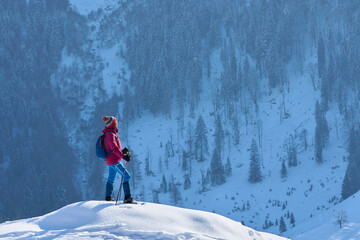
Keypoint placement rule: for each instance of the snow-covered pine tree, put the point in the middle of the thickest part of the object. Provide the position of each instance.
(321, 132)
(184, 162)
(321, 56)
(201, 143)
(292, 219)
(204, 181)
(282, 226)
(283, 170)
(175, 193)
(169, 149)
(163, 185)
(180, 97)
(155, 193)
(236, 131)
(292, 154)
(321, 119)
(328, 82)
(187, 182)
(217, 172)
(148, 171)
(266, 224)
(190, 143)
(255, 168)
(318, 147)
(219, 134)
(228, 168)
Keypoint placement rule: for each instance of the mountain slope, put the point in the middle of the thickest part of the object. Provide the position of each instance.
(308, 190)
(325, 225)
(283, 119)
(103, 220)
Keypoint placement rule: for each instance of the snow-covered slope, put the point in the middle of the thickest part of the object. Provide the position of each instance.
(325, 225)
(308, 190)
(103, 220)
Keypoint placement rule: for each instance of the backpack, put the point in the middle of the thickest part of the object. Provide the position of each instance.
(101, 148)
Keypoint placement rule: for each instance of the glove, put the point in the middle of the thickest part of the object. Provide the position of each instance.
(125, 150)
(127, 157)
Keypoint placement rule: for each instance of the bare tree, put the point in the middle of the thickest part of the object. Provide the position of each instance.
(341, 218)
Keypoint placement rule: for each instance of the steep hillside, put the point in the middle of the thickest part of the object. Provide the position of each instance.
(339, 222)
(282, 121)
(307, 190)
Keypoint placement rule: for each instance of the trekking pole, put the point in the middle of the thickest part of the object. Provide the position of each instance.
(122, 178)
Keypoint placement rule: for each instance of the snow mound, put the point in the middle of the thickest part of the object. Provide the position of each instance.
(104, 220)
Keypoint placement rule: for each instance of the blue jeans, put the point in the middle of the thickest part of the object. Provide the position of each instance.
(113, 169)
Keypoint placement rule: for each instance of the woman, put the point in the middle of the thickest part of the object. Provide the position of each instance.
(113, 158)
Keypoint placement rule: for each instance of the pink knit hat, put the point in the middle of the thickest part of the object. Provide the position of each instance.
(110, 121)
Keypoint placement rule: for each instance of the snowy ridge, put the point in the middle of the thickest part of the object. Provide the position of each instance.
(103, 220)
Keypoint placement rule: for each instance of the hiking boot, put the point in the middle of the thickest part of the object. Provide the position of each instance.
(109, 198)
(128, 199)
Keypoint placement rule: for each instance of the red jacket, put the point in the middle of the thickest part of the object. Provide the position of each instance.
(112, 144)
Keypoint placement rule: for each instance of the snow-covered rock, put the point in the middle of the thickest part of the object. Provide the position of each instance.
(104, 220)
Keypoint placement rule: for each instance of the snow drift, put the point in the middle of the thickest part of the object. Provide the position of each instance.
(103, 220)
